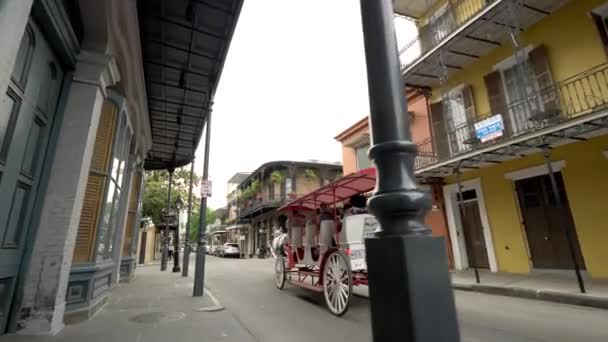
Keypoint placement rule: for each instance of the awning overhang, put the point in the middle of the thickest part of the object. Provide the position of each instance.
(184, 47)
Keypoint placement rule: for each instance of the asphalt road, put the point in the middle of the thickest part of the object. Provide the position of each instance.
(246, 288)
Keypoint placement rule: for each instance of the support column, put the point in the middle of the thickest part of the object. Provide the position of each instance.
(414, 301)
(49, 270)
(186, 262)
(165, 238)
(199, 275)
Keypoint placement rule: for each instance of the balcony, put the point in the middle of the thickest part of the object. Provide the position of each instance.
(259, 205)
(463, 32)
(568, 110)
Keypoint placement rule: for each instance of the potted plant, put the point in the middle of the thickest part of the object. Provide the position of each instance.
(311, 176)
(277, 177)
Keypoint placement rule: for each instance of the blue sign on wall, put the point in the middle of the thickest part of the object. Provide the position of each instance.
(490, 128)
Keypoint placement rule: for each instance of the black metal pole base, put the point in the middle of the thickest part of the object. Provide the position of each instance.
(199, 272)
(176, 267)
(186, 261)
(410, 291)
(163, 259)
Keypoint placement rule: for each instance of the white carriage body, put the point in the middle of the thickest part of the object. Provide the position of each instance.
(355, 229)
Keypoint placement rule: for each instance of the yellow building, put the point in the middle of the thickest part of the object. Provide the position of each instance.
(518, 89)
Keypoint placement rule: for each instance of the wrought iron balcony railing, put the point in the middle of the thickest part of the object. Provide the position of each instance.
(581, 94)
(439, 27)
(251, 205)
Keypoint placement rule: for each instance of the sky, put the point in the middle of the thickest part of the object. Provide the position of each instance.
(293, 79)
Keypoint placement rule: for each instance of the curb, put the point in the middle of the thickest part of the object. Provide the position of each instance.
(544, 295)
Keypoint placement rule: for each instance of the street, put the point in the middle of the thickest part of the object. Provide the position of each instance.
(246, 289)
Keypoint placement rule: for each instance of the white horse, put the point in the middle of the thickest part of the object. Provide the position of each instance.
(278, 245)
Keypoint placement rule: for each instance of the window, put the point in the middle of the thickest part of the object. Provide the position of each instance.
(363, 161)
(442, 23)
(457, 120)
(522, 77)
(109, 216)
(288, 185)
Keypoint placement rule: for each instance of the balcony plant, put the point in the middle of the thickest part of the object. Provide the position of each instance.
(311, 176)
(277, 177)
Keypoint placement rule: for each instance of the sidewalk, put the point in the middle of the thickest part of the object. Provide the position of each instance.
(562, 288)
(155, 306)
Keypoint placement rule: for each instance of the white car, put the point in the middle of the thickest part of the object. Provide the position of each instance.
(230, 249)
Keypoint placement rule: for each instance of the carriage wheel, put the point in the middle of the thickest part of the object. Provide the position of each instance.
(279, 272)
(337, 282)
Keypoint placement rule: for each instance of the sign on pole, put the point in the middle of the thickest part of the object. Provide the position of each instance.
(205, 188)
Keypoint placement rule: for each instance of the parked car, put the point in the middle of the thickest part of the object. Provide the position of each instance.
(207, 249)
(231, 249)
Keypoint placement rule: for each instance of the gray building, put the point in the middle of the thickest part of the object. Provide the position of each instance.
(94, 93)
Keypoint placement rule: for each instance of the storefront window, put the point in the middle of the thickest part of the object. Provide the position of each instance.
(109, 218)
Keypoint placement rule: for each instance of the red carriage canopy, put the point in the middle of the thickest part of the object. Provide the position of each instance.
(342, 189)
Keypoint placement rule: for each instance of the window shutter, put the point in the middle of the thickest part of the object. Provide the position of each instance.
(542, 73)
(440, 136)
(599, 23)
(89, 215)
(496, 96)
(469, 104)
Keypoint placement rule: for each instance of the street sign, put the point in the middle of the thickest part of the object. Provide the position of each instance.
(490, 128)
(205, 188)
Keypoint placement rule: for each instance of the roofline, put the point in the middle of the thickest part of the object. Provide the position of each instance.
(411, 93)
(231, 180)
(350, 130)
(287, 163)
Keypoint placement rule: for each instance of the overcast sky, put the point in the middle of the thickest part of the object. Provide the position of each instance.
(294, 78)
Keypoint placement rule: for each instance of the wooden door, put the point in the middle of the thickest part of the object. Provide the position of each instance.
(473, 234)
(27, 111)
(546, 224)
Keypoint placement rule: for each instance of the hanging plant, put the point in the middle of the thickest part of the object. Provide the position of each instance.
(247, 193)
(311, 175)
(255, 187)
(277, 177)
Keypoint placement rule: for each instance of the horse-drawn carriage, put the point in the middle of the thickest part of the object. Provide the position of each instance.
(325, 251)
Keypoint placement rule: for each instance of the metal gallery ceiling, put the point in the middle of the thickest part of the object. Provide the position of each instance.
(184, 47)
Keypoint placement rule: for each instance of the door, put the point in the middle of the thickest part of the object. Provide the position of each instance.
(27, 111)
(472, 229)
(546, 224)
(142, 248)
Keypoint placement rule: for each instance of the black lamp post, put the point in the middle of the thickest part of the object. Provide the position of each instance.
(178, 207)
(410, 292)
